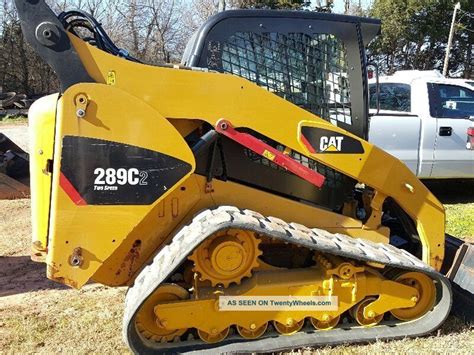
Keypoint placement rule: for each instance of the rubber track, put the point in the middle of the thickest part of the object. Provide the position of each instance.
(209, 222)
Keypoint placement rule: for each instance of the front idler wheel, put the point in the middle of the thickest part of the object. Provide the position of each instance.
(425, 299)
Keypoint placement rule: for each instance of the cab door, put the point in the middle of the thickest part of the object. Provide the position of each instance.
(453, 108)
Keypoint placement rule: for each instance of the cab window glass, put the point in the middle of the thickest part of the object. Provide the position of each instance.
(393, 97)
(450, 101)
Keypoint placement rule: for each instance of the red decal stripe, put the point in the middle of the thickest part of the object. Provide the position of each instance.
(225, 128)
(308, 144)
(71, 191)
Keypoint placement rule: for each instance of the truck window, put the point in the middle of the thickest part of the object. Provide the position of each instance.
(307, 70)
(393, 97)
(450, 101)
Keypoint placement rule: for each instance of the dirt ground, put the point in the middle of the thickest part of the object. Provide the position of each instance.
(40, 316)
(17, 131)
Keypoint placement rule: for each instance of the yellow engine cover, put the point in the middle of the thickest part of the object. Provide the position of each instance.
(114, 161)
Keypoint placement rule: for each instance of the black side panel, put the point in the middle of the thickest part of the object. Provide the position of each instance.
(110, 173)
(46, 35)
(243, 166)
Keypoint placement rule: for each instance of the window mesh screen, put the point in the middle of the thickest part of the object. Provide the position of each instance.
(309, 71)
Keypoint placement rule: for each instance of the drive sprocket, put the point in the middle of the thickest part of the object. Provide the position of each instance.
(227, 257)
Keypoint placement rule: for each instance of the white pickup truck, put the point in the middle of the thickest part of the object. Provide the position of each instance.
(426, 121)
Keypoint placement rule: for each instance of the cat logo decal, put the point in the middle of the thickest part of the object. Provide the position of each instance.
(325, 141)
(330, 144)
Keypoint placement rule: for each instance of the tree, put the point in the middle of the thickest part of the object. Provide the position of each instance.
(201, 10)
(415, 33)
(21, 70)
(152, 31)
(273, 4)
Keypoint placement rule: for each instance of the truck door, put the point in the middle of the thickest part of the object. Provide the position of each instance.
(452, 106)
(395, 128)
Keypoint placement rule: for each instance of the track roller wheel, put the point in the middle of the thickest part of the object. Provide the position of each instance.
(291, 326)
(148, 325)
(358, 313)
(330, 323)
(252, 333)
(213, 337)
(426, 295)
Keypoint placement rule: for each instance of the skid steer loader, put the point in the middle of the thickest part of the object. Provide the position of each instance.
(241, 176)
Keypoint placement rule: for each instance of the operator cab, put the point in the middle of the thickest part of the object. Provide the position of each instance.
(314, 60)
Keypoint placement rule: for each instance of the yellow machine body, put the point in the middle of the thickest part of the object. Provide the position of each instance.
(154, 107)
(149, 176)
(42, 152)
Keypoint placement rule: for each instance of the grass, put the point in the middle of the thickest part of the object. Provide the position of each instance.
(460, 220)
(457, 197)
(13, 120)
(15, 227)
(71, 321)
(39, 316)
(452, 337)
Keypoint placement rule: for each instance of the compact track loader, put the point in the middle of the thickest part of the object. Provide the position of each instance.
(242, 174)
